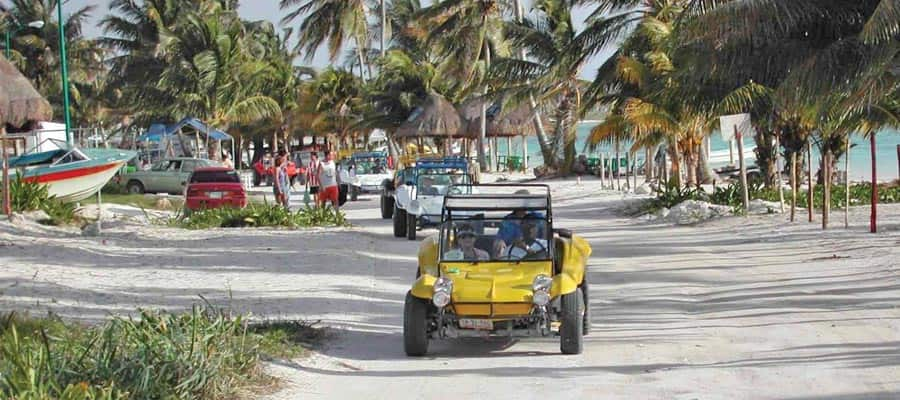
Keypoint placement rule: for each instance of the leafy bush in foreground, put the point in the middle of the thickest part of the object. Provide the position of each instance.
(203, 354)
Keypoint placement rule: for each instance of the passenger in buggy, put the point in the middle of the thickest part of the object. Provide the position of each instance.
(466, 250)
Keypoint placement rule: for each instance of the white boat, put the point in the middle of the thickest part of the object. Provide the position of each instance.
(71, 173)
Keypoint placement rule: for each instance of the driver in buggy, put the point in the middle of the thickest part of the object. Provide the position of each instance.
(529, 245)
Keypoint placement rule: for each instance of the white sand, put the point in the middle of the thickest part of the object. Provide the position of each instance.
(736, 308)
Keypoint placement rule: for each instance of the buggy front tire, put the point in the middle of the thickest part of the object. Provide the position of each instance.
(399, 221)
(411, 225)
(571, 329)
(387, 207)
(354, 193)
(415, 326)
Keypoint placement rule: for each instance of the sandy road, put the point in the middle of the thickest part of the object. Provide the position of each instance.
(733, 309)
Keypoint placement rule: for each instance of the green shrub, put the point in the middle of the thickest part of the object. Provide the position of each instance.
(27, 196)
(59, 213)
(671, 196)
(265, 215)
(203, 354)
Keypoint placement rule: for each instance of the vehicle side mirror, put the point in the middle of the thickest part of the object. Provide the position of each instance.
(564, 233)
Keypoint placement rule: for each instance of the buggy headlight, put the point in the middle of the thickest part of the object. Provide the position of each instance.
(540, 297)
(542, 283)
(443, 288)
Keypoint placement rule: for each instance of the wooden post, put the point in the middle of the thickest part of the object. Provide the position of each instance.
(602, 172)
(826, 181)
(847, 184)
(508, 152)
(7, 198)
(525, 153)
(731, 152)
(794, 185)
(99, 212)
(617, 167)
(873, 217)
(634, 172)
(812, 184)
(780, 181)
(746, 192)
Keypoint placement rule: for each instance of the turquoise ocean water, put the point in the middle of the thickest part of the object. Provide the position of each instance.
(860, 159)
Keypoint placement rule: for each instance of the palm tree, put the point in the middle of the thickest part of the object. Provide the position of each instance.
(134, 33)
(334, 21)
(551, 71)
(39, 49)
(467, 35)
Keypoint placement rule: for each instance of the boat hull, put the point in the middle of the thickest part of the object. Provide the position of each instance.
(74, 184)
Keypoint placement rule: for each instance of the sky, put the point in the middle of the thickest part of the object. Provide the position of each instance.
(269, 10)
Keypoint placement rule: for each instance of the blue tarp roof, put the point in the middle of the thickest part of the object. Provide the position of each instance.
(158, 131)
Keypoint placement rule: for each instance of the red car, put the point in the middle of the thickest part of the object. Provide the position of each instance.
(214, 187)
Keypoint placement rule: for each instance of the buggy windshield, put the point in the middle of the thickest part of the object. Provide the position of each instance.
(365, 166)
(520, 236)
(439, 184)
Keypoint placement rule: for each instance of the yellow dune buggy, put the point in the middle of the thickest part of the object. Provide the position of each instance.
(497, 267)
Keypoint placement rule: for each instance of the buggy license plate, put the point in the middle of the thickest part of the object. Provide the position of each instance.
(478, 324)
(215, 195)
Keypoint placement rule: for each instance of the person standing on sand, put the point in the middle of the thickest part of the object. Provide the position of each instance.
(312, 176)
(280, 186)
(328, 182)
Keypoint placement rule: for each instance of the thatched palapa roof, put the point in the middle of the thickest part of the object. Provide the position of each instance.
(500, 123)
(20, 103)
(435, 118)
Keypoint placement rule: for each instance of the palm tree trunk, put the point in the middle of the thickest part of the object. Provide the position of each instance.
(362, 61)
(873, 217)
(826, 176)
(812, 184)
(384, 29)
(675, 176)
(538, 124)
(793, 186)
(482, 133)
(648, 165)
(847, 185)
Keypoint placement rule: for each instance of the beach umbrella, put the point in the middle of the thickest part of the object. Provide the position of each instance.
(435, 118)
(20, 105)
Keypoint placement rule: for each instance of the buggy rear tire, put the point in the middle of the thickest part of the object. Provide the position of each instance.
(571, 329)
(354, 193)
(587, 307)
(415, 326)
(411, 225)
(387, 207)
(399, 222)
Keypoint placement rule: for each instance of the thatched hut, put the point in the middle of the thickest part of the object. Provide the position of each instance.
(514, 122)
(435, 118)
(20, 107)
(20, 103)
